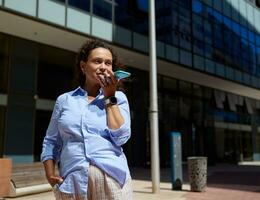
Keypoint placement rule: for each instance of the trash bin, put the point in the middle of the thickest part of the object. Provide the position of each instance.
(176, 160)
(197, 170)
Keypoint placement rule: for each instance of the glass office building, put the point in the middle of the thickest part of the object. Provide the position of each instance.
(208, 72)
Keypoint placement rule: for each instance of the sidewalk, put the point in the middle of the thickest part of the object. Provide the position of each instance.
(231, 182)
(228, 182)
(142, 191)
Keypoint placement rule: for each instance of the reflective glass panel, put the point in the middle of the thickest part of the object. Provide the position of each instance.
(197, 27)
(27, 7)
(103, 9)
(196, 6)
(52, 11)
(81, 4)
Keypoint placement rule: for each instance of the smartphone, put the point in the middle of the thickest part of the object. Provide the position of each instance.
(120, 74)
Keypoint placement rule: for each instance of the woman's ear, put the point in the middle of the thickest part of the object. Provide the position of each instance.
(82, 66)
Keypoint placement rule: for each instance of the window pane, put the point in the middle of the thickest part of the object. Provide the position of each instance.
(172, 53)
(229, 73)
(244, 32)
(81, 4)
(217, 4)
(242, 12)
(185, 58)
(236, 28)
(198, 47)
(209, 66)
(257, 22)
(227, 8)
(254, 81)
(208, 31)
(78, 20)
(141, 42)
(123, 36)
(258, 56)
(246, 79)
(250, 16)
(208, 51)
(197, 6)
(52, 11)
(197, 27)
(102, 8)
(61, 1)
(220, 70)
(185, 42)
(27, 7)
(198, 62)
(123, 17)
(238, 76)
(102, 28)
(208, 2)
(235, 9)
(172, 37)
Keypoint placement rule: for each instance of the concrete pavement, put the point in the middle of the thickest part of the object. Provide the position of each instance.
(142, 191)
(228, 182)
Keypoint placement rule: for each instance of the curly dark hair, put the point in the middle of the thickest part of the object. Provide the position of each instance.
(83, 56)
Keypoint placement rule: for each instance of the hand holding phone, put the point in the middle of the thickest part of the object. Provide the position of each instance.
(120, 74)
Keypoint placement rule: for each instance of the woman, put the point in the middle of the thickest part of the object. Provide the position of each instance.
(86, 131)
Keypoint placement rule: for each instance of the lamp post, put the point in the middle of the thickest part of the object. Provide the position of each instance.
(153, 112)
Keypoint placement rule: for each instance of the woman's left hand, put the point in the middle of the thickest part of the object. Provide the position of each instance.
(108, 82)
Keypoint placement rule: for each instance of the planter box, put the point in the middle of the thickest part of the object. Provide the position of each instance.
(5, 176)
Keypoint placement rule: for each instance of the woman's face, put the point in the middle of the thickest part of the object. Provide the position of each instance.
(98, 62)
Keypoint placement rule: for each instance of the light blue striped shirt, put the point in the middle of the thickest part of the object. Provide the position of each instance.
(78, 135)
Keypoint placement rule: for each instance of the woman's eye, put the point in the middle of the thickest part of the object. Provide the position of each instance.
(97, 61)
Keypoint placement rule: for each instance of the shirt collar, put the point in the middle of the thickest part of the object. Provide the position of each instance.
(82, 92)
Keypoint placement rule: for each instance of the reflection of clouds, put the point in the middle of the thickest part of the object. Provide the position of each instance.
(240, 23)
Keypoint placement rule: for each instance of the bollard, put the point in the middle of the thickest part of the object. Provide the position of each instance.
(197, 169)
(176, 160)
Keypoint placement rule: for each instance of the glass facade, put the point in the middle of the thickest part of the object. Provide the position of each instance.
(216, 37)
(220, 38)
(83, 5)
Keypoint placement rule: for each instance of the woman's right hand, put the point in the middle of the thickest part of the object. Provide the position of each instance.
(49, 166)
(54, 179)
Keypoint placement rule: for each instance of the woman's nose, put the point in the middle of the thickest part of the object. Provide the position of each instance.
(102, 67)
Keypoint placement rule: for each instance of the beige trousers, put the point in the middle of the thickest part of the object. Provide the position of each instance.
(100, 187)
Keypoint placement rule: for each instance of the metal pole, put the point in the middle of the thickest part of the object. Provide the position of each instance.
(153, 113)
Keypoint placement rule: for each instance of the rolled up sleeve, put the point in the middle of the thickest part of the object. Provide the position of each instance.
(52, 142)
(121, 135)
